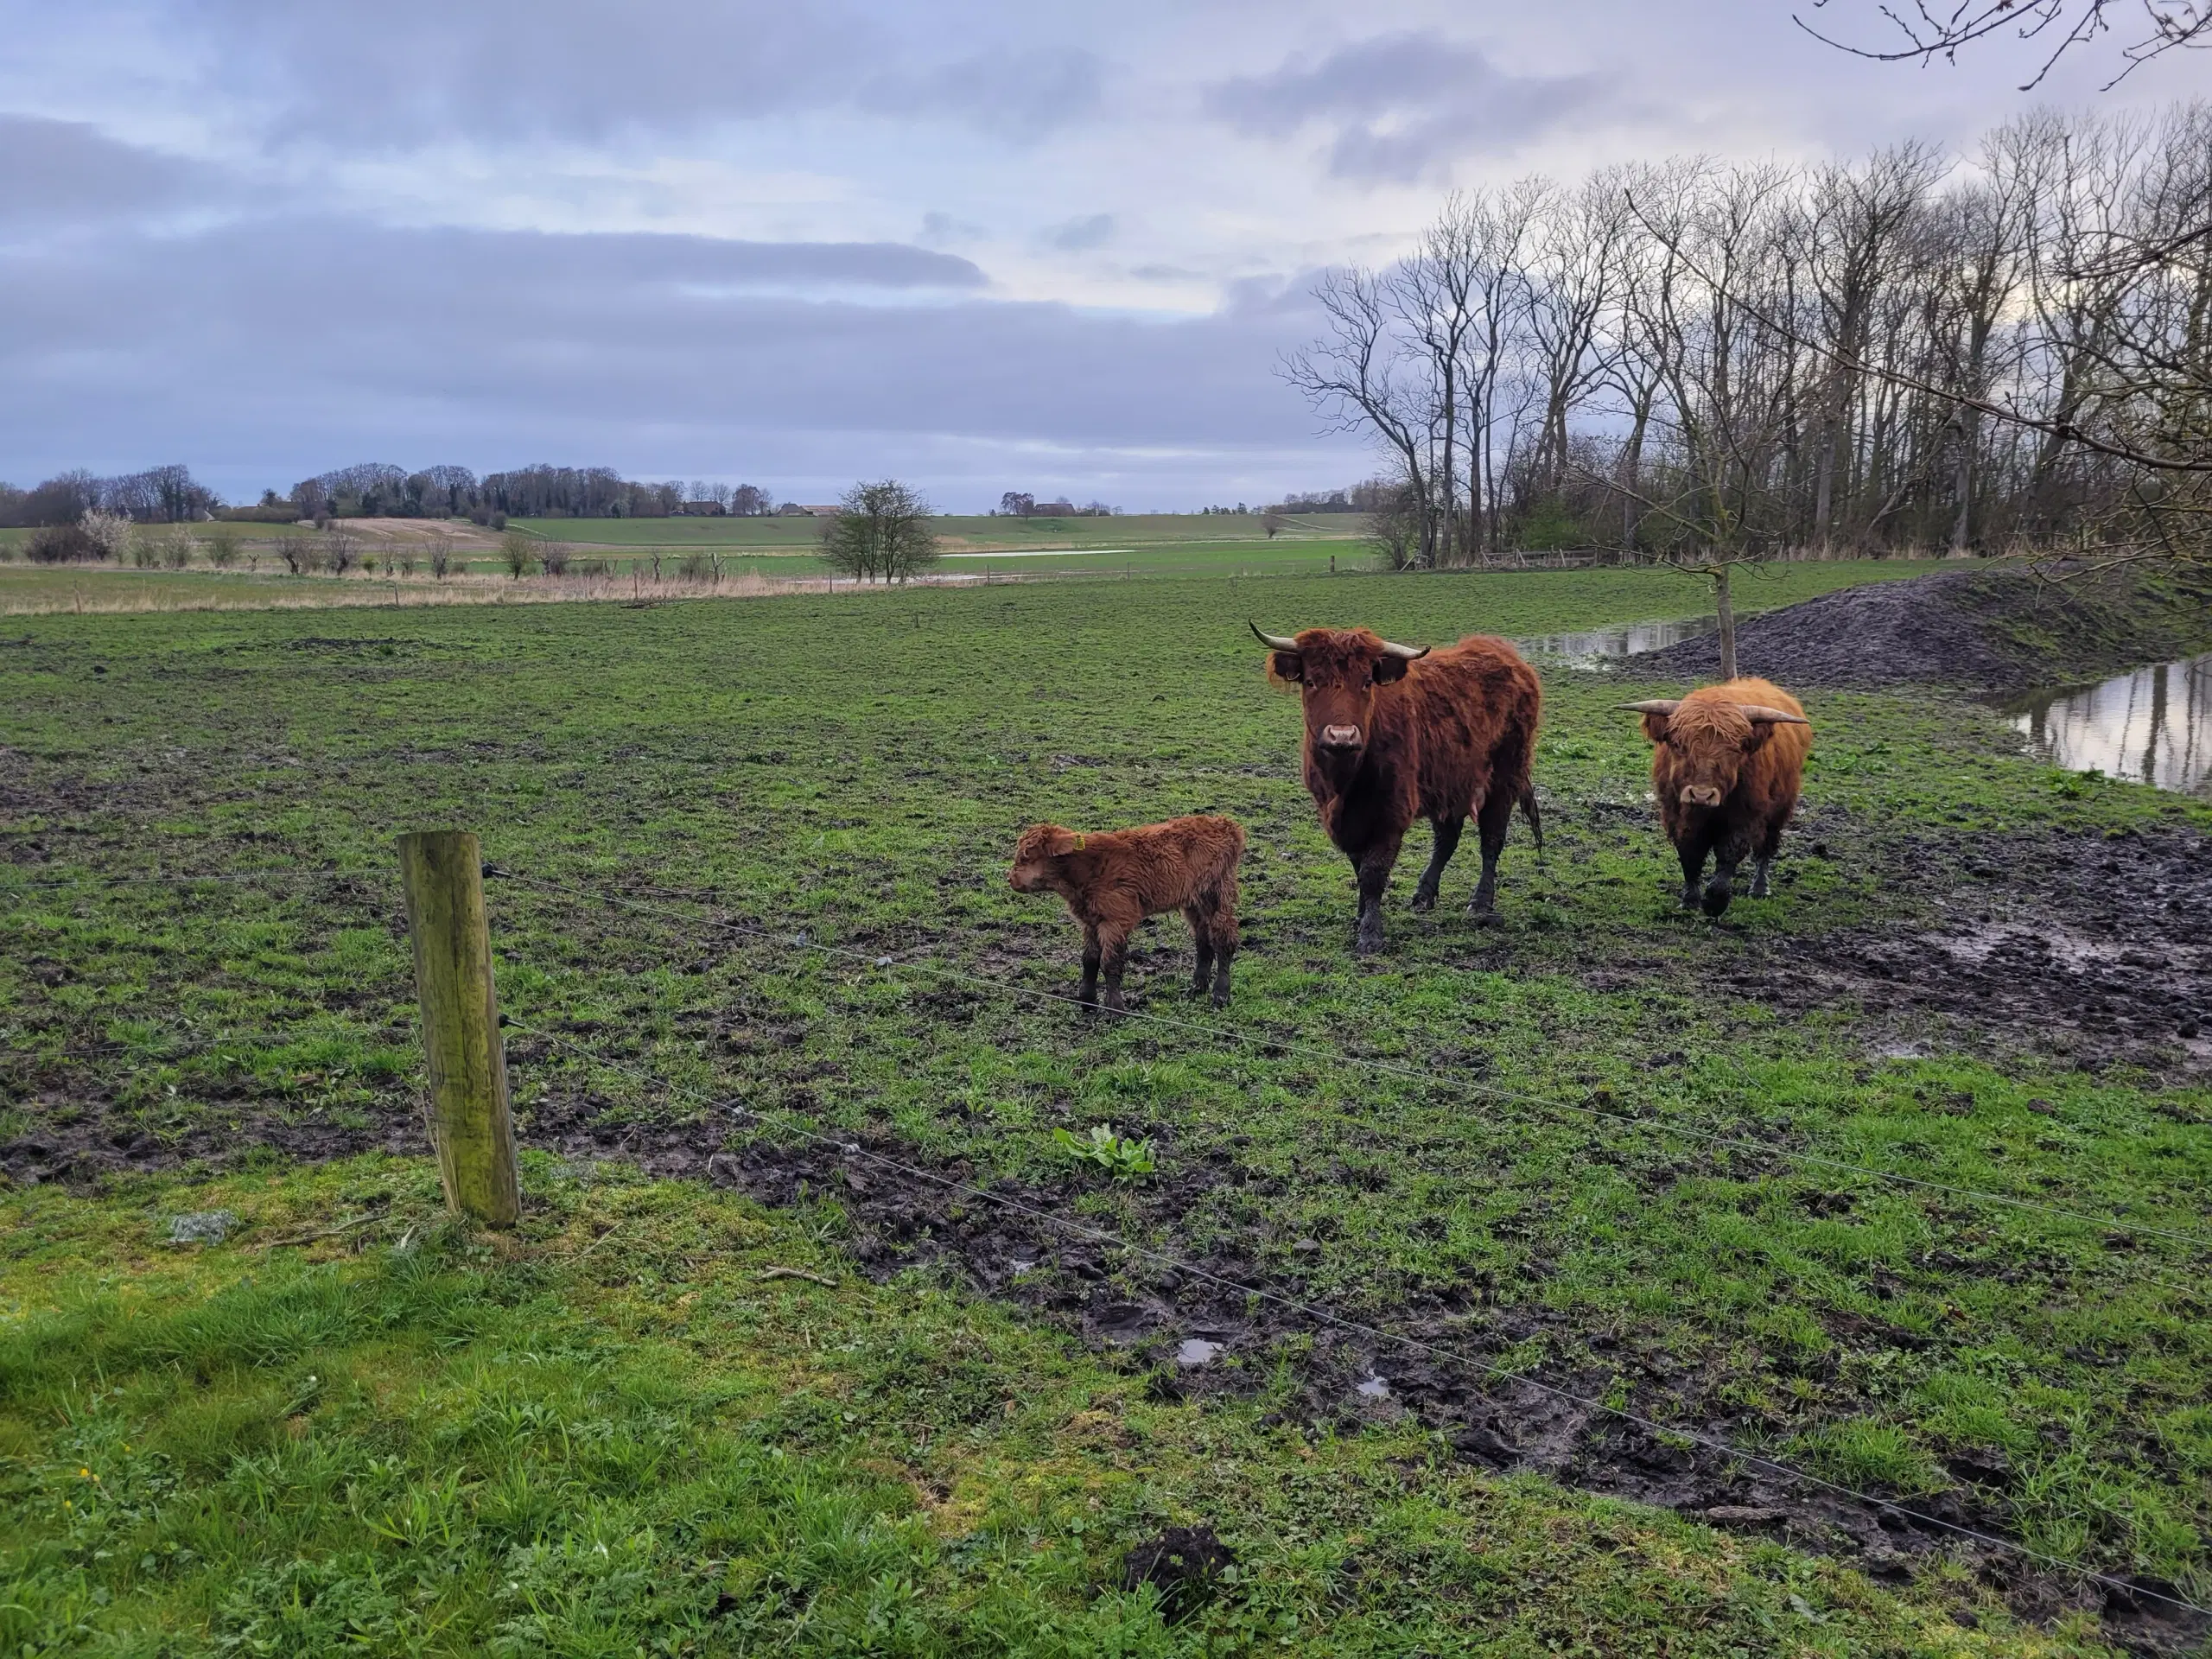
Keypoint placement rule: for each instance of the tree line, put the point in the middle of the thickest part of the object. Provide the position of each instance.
(170, 495)
(1693, 359)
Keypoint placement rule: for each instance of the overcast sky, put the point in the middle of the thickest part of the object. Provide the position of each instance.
(978, 244)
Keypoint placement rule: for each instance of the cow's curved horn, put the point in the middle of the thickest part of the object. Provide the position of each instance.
(1272, 641)
(1759, 714)
(1653, 706)
(1411, 653)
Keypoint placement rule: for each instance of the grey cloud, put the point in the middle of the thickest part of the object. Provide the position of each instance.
(937, 229)
(69, 172)
(260, 353)
(1401, 107)
(1019, 96)
(401, 71)
(1076, 235)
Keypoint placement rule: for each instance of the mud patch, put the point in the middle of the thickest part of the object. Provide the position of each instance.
(2091, 949)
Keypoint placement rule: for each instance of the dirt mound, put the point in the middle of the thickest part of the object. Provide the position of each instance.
(1992, 633)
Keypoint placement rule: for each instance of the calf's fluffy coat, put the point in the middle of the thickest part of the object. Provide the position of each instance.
(1113, 881)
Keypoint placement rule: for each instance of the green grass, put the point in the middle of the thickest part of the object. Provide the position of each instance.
(857, 766)
(610, 1434)
(1128, 530)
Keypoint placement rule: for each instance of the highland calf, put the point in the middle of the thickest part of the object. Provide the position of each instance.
(1394, 732)
(1112, 881)
(1727, 764)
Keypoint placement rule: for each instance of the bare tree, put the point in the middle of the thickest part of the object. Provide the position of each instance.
(882, 532)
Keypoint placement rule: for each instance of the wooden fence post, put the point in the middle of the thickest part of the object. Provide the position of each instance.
(471, 1125)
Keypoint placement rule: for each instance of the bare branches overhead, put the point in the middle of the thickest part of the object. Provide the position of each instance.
(2049, 29)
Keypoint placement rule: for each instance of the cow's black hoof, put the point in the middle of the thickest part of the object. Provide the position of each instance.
(1424, 900)
(1220, 999)
(1484, 917)
(1716, 900)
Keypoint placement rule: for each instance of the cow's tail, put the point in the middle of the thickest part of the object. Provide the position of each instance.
(1530, 811)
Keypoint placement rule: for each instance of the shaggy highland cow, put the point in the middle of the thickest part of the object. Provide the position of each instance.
(1112, 881)
(1394, 732)
(1726, 763)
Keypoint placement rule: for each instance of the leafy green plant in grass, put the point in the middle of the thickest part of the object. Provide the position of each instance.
(1103, 1149)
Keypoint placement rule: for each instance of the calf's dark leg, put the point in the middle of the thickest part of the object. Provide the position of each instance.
(1202, 936)
(1113, 951)
(1447, 843)
(1088, 996)
(1374, 866)
(1491, 819)
(1221, 924)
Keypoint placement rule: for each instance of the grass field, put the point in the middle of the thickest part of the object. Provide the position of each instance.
(959, 531)
(1494, 1140)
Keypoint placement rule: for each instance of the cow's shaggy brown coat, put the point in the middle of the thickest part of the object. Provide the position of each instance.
(1728, 781)
(1447, 736)
(1113, 881)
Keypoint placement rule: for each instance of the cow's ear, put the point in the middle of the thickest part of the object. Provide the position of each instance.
(1061, 842)
(1288, 665)
(1654, 728)
(1761, 730)
(1389, 668)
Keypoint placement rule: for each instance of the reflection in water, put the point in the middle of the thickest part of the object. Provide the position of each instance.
(1589, 649)
(2152, 726)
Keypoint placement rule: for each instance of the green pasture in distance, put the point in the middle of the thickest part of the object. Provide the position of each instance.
(779, 531)
(852, 770)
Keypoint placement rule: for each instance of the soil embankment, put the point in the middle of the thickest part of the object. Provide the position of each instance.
(1997, 632)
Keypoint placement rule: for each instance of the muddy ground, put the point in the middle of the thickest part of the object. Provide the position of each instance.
(2089, 950)
(2096, 950)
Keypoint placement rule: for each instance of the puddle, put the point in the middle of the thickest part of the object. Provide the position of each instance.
(1373, 1388)
(2152, 726)
(1596, 646)
(1194, 1351)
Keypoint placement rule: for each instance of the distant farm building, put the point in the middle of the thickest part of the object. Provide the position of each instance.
(1054, 509)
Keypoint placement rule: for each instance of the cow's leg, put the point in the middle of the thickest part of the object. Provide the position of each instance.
(1763, 859)
(1447, 843)
(1491, 819)
(1113, 953)
(1201, 937)
(1224, 927)
(1089, 994)
(1374, 865)
(1728, 854)
(1692, 849)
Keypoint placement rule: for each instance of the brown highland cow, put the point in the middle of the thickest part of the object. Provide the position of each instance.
(1394, 732)
(1727, 764)
(1112, 881)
